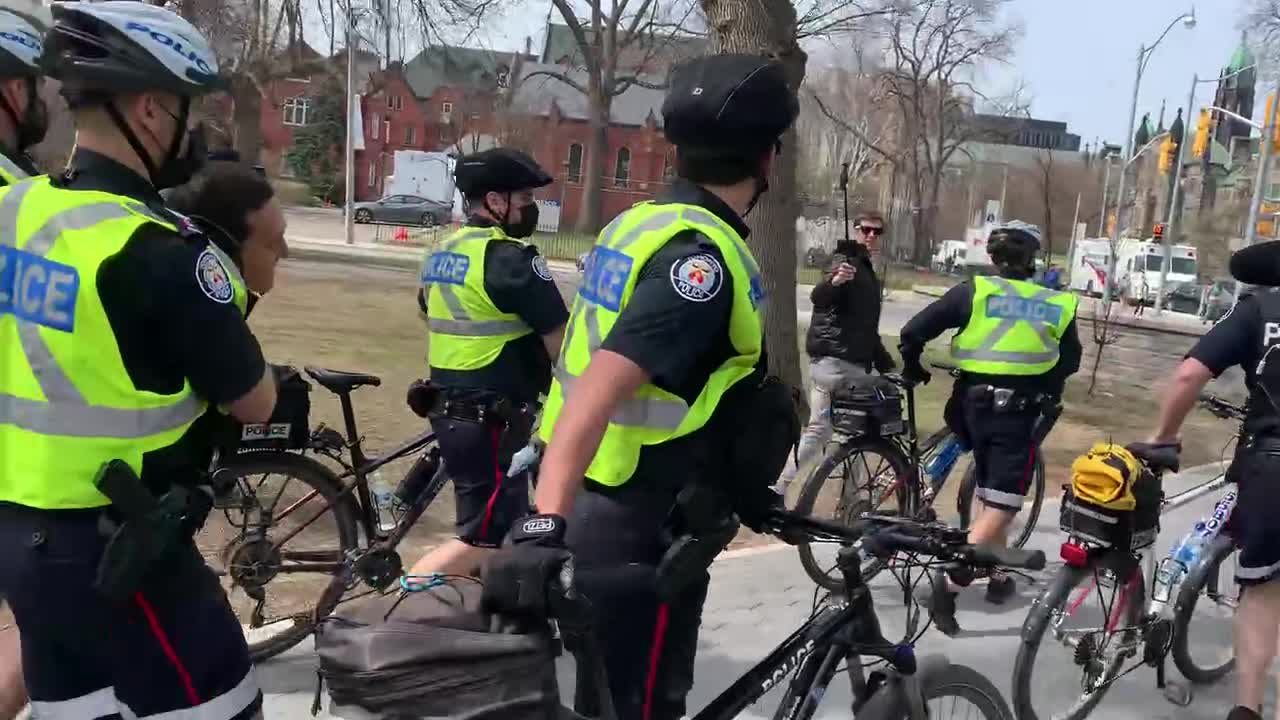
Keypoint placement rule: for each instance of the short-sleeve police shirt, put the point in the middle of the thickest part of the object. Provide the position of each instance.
(1234, 340)
(518, 281)
(678, 331)
(169, 327)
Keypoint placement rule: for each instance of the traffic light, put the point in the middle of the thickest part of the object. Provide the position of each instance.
(1168, 154)
(1204, 128)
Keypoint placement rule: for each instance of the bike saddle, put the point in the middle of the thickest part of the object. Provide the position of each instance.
(340, 381)
(1157, 456)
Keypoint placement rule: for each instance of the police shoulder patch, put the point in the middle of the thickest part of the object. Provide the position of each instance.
(697, 278)
(540, 268)
(213, 278)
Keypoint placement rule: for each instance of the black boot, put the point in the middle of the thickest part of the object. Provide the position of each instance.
(1000, 589)
(942, 606)
(1241, 712)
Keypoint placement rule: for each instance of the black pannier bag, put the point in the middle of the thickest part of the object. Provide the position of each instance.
(288, 428)
(432, 654)
(873, 406)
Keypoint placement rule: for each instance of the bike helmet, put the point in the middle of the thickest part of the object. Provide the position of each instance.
(499, 170)
(735, 102)
(1014, 244)
(124, 46)
(21, 41)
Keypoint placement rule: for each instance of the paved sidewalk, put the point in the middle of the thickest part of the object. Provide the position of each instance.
(758, 596)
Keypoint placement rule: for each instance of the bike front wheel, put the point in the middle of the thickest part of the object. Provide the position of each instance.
(1211, 589)
(278, 541)
(950, 692)
(1095, 615)
(1024, 524)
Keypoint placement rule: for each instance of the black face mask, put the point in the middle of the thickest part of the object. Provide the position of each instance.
(34, 123)
(178, 169)
(528, 222)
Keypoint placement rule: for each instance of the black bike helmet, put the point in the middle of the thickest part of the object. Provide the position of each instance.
(732, 102)
(1014, 244)
(500, 170)
(123, 46)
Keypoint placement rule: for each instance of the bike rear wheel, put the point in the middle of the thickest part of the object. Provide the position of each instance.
(1110, 611)
(285, 515)
(1024, 524)
(867, 474)
(1211, 588)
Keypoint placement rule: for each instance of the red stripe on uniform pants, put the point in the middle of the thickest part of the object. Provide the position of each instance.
(497, 486)
(655, 657)
(1026, 474)
(167, 648)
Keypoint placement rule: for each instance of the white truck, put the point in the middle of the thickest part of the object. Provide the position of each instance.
(1138, 268)
(1090, 263)
(949, 256)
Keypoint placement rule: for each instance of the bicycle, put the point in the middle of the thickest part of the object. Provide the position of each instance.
(910, 473)
(1126, 629)
(356, 548)
(840, 632)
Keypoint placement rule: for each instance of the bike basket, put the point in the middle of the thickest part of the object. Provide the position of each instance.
(433, 654)
(873, 406)
(289, 427)
(1134, 529)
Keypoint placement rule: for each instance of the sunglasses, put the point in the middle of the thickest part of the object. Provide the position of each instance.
(873, 231)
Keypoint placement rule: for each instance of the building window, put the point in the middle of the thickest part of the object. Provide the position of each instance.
(386, 131)
(446, 108)
(574, 171)
(622, 174)
(374, 125)
(395, 102)
(410, 133)
(373, 175)
(295, 110)
(668, 168)
(444, 133)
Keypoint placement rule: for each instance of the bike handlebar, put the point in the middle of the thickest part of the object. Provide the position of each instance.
(884, 535)
(1222, 408)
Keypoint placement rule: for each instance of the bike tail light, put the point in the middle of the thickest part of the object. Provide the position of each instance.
(1074, 555)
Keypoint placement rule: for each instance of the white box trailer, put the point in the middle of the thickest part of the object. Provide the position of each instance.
(1090, 263)
(1139, 265)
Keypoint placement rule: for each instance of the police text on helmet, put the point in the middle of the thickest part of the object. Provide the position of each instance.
(175, 44)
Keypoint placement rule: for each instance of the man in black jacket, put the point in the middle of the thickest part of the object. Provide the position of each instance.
(843, 342)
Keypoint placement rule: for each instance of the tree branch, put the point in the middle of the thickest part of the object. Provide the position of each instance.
(562, 77)
(851, 129)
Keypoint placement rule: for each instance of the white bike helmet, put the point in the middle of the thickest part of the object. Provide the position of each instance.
(21, 42)
(126, 46)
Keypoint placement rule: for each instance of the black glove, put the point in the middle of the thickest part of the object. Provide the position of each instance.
(518, 578)
(914, 373)
(884, 362)
(422, 397)
(755, 505)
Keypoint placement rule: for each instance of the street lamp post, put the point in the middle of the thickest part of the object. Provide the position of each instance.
(1144, 51)
(350, 152)
(1106, 183)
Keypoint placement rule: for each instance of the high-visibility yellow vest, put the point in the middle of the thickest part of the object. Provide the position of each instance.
(653, 415)
(10, 173)
(467, 330)
(1014, 328)
(67, 403)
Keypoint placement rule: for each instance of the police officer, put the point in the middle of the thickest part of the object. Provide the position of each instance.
(25, 117)
(1247, 337)
(496, 320)
(660, 389)
(1015, 349)
(121, 325)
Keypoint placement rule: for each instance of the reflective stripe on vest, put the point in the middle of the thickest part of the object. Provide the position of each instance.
(652, 415)
(67, 403)
(1014, 328)
(10, 173)
(467, 330)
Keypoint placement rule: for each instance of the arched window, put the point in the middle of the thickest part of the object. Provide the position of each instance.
(575, 163)
(622, 174)
(669, 166)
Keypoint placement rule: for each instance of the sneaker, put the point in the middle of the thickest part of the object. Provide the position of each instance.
(942, 606)
(999, 590)
(1241, 712)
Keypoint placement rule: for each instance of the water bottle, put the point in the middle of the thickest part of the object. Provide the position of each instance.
(1184, 556)
(943, 461)
(523, 460)
(418, 478)
(384, 500)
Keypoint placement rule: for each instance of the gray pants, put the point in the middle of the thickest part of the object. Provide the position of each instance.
(826, 374)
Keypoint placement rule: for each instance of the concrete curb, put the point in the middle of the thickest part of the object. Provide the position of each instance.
(1127, 321)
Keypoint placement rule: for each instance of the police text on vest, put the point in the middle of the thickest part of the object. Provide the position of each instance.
(38, 290)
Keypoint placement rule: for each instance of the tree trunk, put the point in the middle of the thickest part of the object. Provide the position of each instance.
(598, 107)
(248, 118)
(768, 27)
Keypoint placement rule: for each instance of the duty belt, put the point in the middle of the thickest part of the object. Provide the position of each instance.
(470, 407)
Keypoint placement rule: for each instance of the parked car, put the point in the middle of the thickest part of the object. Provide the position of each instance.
(1184, 298)
(404, 210)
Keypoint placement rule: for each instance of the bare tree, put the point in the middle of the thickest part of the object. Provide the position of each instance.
(934, 46)
(1262, 20)
(842, 120)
